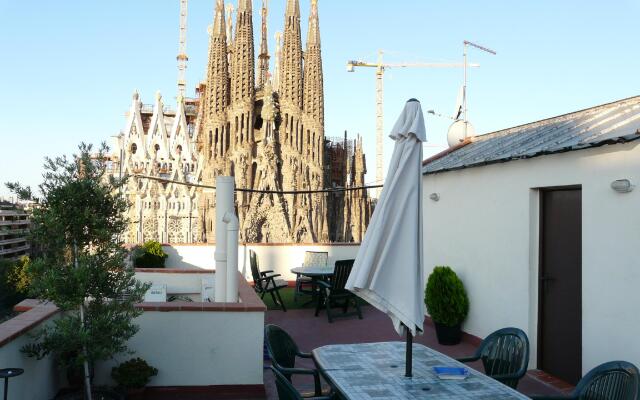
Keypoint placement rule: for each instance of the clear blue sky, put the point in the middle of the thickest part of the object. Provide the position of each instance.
(69, 67)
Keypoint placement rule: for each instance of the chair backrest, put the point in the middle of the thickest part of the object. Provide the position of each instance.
(340, 274)
(613, 380)
(286, 391)
(315, 259)
(282, 349)
(255, 269)
(505, 352)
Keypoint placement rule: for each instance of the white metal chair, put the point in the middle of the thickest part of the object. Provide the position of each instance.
(304, 284)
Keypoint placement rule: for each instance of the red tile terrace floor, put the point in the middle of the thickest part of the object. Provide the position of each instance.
(311, 332)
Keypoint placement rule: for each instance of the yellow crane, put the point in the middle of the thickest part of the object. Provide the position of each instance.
(380, 67)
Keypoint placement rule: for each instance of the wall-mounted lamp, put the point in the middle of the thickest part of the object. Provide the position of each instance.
(434, 196)
(622, 186)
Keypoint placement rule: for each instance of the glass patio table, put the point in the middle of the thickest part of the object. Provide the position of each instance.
(375, 371)
(315, 273)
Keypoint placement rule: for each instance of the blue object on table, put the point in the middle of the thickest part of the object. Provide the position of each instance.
(451, 372)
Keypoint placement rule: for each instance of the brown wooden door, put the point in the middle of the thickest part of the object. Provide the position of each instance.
(560, 284)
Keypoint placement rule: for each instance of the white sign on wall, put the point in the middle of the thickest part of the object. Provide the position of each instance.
(207, 289)
(156, 293)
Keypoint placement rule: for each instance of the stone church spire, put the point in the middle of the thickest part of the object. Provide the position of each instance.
(216, 102)
(242, 58)
(229, 24)
(313, 80)
(313, 118)
(216, 98)
(277, 62)
(291, 73)
(263, 58)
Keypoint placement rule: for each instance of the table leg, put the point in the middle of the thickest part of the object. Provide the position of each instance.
(6, 388)
(314, 294)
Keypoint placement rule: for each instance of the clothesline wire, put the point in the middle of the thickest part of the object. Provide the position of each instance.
(199, 185)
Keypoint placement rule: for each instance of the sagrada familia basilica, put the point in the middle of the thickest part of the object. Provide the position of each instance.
(265, 129)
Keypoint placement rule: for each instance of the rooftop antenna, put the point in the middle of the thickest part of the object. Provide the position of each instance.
(464, 88)
(182, 50)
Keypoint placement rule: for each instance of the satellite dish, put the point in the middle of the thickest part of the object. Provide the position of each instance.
(456, 134)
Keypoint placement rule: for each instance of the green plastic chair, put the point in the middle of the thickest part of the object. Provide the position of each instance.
(264, 281)
(283, 351)
(332, 292)
(286, 391)
(613, 380)
(504, 355)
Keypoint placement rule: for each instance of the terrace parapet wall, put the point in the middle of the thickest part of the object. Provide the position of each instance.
(40, 379)
(278, 257)
(249, 300)
(34, 312)
(218, 350)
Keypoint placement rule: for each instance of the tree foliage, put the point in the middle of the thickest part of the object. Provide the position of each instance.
(150, 255)
(18, 276)
(22, 192)
(155, 248)
(133, 374)
(445, 297)
(11, 289)
(78, 230)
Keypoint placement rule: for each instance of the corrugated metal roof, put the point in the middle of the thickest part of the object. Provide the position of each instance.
(611, 123)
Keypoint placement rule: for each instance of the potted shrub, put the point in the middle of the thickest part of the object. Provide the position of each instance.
(80, 266)
(150, 255)
(133, 375)
(447, 304)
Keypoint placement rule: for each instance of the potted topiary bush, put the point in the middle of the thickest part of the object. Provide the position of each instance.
(133, 375)
(447, 304)
(150, 255)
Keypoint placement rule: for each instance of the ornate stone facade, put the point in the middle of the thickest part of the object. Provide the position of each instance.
(158, 142)
(270, 138)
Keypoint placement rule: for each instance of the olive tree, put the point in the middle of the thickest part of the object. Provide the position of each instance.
(77, 229)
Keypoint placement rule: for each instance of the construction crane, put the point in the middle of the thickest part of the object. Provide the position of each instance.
(380, 67)
(182, 50)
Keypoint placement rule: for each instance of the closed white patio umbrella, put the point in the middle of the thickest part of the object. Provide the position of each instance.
(388, 271)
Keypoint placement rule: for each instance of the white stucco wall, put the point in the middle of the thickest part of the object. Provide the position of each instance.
(485, 227)
(186, 256)
(41, 378)
(280, 258)
(191, 348)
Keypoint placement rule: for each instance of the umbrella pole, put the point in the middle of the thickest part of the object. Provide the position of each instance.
(408, 368)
